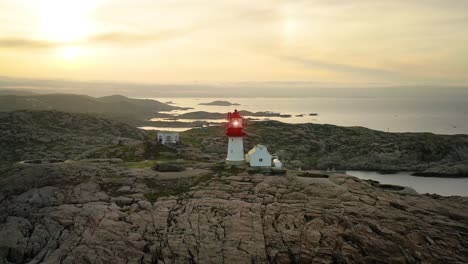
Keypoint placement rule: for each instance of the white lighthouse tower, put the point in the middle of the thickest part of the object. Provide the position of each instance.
(235, 133)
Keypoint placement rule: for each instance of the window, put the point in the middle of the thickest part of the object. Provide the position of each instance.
(260, 160)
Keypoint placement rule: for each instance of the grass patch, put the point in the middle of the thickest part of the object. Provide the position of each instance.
(223, 168)
(152, 197)
(152, 163)
(151, 183)
(126, 153)
(163, 191)
(202, 178)
(141, 164)
(172, 187)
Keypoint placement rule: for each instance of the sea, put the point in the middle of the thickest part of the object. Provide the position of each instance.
(445, 115)
(390, 114)
(437, 185)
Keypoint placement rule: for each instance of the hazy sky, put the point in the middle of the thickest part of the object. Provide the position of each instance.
(170, 41)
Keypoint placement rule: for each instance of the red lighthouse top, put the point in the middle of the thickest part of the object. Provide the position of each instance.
(235, 125)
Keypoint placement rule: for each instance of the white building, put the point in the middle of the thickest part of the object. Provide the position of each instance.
(277, 164)
(168, 137)
(258, 157)
(235, 154)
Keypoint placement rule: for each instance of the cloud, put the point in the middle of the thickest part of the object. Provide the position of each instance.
(343, 68)
(25, 43)
(115, 38)
(133, 38)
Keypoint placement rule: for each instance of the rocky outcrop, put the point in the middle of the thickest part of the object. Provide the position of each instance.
(98, 212)
(455, 169)
(28, 135)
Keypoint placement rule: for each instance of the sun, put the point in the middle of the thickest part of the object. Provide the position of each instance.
(65, 20)
(290, 28)
(290, 23)
(71, 52)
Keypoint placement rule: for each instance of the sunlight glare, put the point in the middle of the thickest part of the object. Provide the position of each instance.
(71, 53)
(289, 27)
(290, 23)
(66, 20)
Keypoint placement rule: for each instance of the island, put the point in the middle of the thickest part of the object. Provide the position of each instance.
(214, 115)
(219, 103)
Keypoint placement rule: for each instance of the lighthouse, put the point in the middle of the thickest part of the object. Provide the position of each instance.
(235, 133)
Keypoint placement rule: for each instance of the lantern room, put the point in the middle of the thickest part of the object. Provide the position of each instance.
(235, 125)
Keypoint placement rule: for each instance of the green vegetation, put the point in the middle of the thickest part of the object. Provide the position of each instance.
(169, 167)
(163, 188)
(154, 150)
(194, 137)
(166, 188)
(136, 155)
(52, 134)
(141, 164)
(202, 178)
(126, 153)
(153, 196)
(225, 169)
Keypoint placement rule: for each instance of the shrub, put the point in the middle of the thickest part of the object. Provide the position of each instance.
(168, 167)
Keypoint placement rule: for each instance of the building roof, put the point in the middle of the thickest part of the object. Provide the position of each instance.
(254, 149)
(168, 132)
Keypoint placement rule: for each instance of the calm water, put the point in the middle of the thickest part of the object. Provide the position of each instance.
(394, 114)
(441, 186)
(175, 129)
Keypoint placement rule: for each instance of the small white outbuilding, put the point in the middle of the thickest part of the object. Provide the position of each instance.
(277, 164)
(258, 156)
(168, 137)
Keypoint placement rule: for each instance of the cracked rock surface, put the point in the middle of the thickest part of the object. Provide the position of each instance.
(97, 212)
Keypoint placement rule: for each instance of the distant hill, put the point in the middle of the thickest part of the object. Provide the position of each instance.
(15, 92)
(115, 106)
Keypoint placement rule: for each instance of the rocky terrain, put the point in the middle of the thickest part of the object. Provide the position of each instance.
(98, 191)
(316, 146)
(104, 212)
(26, 135)
(48, 134)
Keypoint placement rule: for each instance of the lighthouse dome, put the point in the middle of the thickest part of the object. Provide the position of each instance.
(235, 125)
